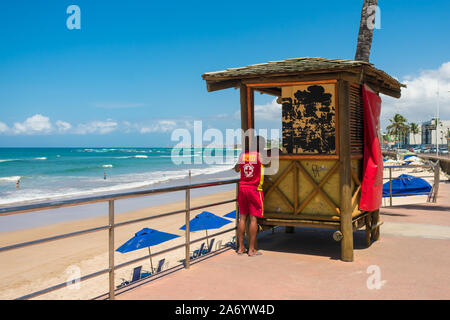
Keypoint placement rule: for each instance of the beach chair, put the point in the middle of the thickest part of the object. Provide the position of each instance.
(205, 251)
(136, 274)
(160, 265)
(123, 284)
(232, 243)
(145, 274)
(198, 252)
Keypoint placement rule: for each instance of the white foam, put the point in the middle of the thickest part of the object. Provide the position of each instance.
(146, 180)
(107, 166)
(7, 160)
(40, 158)
(143, 157)
(10, 179)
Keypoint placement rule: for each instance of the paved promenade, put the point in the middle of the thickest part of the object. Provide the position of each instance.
(412, 257)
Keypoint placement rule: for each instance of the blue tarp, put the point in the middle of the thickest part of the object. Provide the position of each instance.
(406, 187)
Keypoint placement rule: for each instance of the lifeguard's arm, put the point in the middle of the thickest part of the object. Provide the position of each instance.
(237, 166)
(265, 160)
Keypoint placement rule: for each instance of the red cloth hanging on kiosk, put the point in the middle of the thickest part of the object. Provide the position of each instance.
(372, 183)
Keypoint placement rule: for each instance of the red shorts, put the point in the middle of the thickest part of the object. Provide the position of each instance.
(251, 201)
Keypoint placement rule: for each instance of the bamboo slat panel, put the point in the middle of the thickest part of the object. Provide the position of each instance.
(303, 187)
(356, 120)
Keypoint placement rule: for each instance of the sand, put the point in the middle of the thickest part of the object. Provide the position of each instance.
(37, 267)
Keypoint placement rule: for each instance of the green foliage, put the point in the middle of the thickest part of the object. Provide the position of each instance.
(398, 126)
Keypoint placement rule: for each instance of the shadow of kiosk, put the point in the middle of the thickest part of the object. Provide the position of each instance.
(318, 183)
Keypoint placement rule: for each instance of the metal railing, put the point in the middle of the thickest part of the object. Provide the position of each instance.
(110, 198)
(432, 194)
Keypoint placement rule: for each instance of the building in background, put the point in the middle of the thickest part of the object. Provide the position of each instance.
(428, 132)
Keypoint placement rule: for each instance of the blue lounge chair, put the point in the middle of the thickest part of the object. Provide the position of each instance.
(136, 274)
(135, 277)
(198, 252)
(123, 284)
(205, 251)
(145, 274)
(160, 265)
(232, 243)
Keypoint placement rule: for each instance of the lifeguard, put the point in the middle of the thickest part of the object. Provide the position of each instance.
(250, 197)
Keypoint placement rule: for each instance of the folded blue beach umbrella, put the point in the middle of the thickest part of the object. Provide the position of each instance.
(145, 239)
(231, 214)
(204, 221)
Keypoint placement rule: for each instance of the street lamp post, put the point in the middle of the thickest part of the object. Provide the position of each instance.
(437, 122)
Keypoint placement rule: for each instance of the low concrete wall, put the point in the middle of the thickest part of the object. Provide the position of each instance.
(444, 162)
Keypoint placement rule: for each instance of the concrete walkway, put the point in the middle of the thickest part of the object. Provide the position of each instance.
(411, 261)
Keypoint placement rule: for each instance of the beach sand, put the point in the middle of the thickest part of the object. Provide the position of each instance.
(37, 267)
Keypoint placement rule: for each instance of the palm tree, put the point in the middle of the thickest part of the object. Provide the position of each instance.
(414, 129)
(365, 34)
(398, 126)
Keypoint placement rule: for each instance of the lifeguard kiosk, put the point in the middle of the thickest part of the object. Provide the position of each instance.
(320, 174)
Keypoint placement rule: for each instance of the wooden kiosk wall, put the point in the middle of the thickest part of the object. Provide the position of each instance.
(319, 190)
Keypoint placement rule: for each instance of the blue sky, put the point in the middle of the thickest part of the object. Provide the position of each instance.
(132, 73)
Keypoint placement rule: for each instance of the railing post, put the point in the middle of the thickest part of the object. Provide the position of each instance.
(390, 187)
(188, 235)
(436, 181)
(111, 249)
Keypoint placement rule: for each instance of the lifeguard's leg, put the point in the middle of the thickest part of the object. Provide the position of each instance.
(253, 230)
(241, 232)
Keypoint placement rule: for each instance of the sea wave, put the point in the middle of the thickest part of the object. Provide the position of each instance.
(25, 159)
(8, 160)
(107, 166)
(128, 157)
(10, 179)
(121, 183)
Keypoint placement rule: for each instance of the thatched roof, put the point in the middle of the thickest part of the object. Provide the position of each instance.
(303, 67)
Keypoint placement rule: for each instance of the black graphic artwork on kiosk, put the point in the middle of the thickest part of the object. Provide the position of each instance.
(309, 119)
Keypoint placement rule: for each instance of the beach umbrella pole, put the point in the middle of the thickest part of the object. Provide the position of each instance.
(207, 238)
(151, 262)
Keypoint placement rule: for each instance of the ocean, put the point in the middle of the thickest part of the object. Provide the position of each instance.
(46, 174)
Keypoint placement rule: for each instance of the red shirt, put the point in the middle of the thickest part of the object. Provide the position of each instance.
(252, 170)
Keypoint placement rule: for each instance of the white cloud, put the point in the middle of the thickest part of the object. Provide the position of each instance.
(419, 100)
(270, 111)
(99, 127)
(37, 124)
(159, 126)
(63, 126)
(3, 127)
